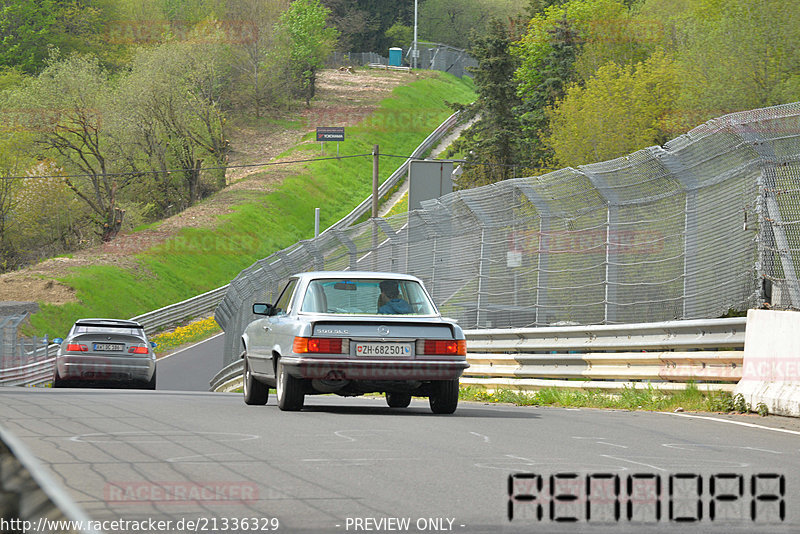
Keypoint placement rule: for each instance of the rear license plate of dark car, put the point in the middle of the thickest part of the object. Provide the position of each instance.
(108, 347)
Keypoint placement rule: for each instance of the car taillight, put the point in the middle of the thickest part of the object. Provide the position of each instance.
(446, 347)
(74, 347)
(320, 345)
(138, 350)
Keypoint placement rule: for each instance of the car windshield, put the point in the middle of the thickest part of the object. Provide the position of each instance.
(367, 297)
(89, 329)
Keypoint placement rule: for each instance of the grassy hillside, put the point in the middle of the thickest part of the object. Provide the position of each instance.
(198, 260)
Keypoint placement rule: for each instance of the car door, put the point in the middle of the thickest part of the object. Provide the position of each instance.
(261, 334)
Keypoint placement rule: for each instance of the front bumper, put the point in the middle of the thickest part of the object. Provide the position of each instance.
(372, 369)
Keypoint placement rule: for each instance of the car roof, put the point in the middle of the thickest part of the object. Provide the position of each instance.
(313, 275)
(108, 322)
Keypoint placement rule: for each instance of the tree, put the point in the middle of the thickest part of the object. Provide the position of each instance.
(363, 24)
(456, 22)
(495, 136)
(259, 77)
(309, 40)
(66, 104)
(556, 72)
(25, 27)
(168, 116)
(620, 110)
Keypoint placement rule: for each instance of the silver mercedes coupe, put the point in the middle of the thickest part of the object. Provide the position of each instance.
(352, 333)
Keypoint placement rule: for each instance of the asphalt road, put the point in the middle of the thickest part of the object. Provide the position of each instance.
(355, 465)
(191, 369)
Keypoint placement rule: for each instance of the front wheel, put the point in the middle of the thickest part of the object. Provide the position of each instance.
(444, 397)
(255, 393)
(289, 390)
(398, 400)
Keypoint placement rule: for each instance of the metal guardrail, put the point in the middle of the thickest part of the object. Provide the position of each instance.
(199, 306)
(665, 356)
(229, 378)
(37, 372)
(30, 497)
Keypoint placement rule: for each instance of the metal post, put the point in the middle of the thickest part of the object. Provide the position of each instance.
(478, 323)
(316, 222)
(415, 52)
(375, 156)
(608, 264)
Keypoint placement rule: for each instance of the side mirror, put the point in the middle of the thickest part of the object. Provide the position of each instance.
(58, 340)
(263, 309)
(153, 344)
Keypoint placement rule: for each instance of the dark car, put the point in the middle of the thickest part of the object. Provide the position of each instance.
(352, 333)
(105, 352)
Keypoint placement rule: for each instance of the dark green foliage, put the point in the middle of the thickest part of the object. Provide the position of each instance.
(495, 137)
(25, 32)
(556, 71)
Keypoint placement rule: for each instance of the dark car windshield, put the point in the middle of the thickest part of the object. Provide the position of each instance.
(367, 296)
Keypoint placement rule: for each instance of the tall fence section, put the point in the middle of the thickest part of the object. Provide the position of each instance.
(431, 57)
(708, 223)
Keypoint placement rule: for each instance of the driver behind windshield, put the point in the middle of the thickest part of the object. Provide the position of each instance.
(389, 301)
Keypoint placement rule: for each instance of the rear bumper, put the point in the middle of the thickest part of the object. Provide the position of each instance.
(363, 369)
(114, 369)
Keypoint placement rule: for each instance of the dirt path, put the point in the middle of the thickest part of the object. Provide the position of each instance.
(344, 98)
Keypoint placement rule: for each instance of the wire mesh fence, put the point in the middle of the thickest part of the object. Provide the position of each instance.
(431, 57)
(708, 223)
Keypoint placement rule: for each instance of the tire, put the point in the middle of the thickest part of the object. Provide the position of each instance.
(151, 384)
(444, 397)
(59, 382)
(289, 389)
(255, 393)
(398, 400)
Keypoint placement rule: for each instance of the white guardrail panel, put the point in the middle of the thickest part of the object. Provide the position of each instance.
(665, 356)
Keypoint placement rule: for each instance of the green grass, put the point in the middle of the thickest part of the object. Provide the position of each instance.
(198, 260)
(691, 399)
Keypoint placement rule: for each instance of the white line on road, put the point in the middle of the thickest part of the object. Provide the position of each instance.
(189, 347)
(751, 425)
(631, 461)
(485, 438)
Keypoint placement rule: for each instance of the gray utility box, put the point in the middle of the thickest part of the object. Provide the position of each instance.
(428, 179)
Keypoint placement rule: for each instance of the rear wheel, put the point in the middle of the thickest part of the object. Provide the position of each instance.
(151, 384)
(444, 397)
(289, 390)
(255, 393)
(59, 382)
(398, 400)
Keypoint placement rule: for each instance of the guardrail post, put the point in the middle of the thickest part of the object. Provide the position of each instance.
(691, 236)
(542, 255)
(612, 222)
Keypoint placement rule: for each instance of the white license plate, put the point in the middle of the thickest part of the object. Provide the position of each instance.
(383, 349)
(108, 347)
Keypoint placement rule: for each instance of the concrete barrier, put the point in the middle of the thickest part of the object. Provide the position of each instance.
(771, 373)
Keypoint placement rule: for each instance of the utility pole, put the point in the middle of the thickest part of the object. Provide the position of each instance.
(375, 155)
(415, 51)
